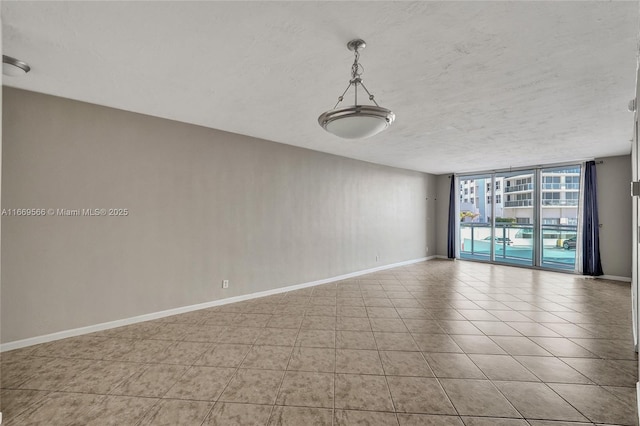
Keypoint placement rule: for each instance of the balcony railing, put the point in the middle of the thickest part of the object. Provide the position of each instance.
(545, 203)
(514, 243)
(570, 203)
(549, 186)
(519, 188)
(518, 203)
(567, 186)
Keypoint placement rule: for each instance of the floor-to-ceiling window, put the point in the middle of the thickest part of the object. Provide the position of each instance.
(515, 217)
(475, 217)
(560, 198)
(525, 217)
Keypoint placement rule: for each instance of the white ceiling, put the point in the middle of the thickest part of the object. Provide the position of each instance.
(474, 85)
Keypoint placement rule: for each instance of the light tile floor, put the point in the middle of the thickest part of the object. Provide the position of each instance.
(435, 343)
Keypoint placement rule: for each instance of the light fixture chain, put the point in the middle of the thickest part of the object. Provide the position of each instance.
(356, 69)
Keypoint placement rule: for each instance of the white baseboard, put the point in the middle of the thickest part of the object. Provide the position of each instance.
(612, 278)
(155, 315)
(638, 399)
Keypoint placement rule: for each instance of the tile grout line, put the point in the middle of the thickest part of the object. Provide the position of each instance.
(335, 360)
(393, 402)
(230, 378)
(286, 369)
(214, 344)
(434, 374)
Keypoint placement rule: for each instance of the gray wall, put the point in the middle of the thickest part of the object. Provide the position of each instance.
(614, 210)
(204, 205)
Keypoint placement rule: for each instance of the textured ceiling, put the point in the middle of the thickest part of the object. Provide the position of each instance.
(474, 85)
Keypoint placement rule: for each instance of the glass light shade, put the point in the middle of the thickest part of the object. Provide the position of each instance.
(357, 121)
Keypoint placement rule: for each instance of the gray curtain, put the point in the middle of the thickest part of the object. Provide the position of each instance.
(591, 264)
(451, 234)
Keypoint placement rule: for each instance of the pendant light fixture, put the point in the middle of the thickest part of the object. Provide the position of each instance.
(356, 121)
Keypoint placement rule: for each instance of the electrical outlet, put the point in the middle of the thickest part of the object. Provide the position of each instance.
(225, 283)
(376, 257)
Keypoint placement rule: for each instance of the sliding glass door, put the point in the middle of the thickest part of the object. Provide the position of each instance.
(476, 233)
(526, 217)
(515, 216)
(560, 188)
